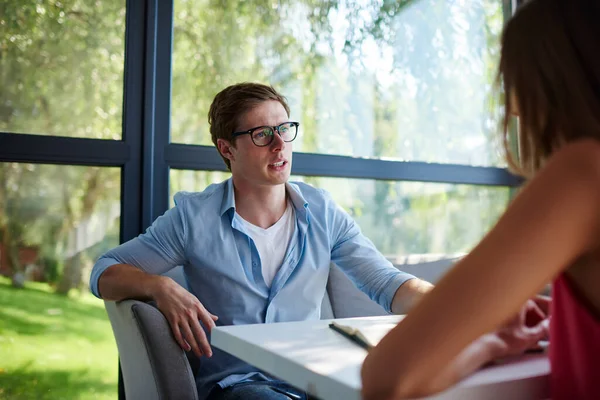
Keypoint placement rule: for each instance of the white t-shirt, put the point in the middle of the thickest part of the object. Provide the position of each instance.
(272, 243)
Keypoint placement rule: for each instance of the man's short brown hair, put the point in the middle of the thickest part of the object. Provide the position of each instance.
(233, 102)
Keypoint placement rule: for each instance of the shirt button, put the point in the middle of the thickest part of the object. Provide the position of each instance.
(254, 264)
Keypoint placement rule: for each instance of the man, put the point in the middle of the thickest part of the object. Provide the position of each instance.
(255, 248)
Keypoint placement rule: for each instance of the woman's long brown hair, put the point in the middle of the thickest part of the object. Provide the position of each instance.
(550, 70)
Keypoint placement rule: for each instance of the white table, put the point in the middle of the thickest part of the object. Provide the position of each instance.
(313, 357)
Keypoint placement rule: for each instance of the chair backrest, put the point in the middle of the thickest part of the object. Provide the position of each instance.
(326, 309)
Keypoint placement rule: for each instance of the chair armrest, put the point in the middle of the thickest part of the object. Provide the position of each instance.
(153, 364)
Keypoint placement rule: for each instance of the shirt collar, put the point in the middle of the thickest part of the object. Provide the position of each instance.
(296, 196)
(228, 197)
(298, 200)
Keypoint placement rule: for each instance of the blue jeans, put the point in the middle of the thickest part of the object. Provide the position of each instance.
(271, 390)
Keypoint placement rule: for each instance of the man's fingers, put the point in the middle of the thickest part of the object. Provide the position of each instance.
(201, 338)
(179, 338)
(189, 337)
(207, 318)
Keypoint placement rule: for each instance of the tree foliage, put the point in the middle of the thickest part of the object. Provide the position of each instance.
(374, 78)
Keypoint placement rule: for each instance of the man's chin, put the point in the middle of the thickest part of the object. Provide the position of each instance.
(279, 179)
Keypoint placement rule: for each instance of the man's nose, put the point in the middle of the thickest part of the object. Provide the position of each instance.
(277, 144)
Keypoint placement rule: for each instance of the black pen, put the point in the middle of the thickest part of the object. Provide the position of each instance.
(353, 334)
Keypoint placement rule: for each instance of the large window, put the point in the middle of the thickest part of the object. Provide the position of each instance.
(402, 80)
(103, 117)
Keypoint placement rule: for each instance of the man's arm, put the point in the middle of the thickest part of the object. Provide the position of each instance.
(124, 281)
(409, 294)
(132, 271)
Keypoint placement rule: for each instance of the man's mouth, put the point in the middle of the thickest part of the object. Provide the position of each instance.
(278, 164)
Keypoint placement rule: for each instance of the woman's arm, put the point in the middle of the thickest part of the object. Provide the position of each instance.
(521, 333)
(552, 222)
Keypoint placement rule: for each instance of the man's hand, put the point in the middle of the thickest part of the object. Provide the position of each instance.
(526, 329)
(184, 313)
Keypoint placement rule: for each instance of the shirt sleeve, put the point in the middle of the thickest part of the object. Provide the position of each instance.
(159, 249)
(360, 260)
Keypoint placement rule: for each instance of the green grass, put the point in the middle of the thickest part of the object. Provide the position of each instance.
(54, 347)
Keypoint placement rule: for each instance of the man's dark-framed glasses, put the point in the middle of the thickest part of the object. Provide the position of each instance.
(263, 135)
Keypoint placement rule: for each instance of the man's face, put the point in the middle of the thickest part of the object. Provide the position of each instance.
(260, 166)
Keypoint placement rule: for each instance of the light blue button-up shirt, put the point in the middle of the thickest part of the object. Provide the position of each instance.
(223, 267)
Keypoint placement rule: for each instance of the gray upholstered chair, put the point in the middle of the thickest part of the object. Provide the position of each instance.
(155, 367)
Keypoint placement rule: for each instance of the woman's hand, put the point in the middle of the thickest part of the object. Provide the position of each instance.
(526, 329)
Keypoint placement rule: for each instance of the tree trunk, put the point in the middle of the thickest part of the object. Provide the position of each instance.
(12, 256)
(17, 275)
(71, 275)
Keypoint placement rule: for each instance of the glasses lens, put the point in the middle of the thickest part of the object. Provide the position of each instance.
(288, 131)
(262, 136)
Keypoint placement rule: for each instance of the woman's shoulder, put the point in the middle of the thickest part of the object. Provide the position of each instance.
(575, 165)
(583, 152)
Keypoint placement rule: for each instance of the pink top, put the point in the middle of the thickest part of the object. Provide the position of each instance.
(575, 345)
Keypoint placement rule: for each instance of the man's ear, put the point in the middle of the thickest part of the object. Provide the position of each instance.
(226, 149)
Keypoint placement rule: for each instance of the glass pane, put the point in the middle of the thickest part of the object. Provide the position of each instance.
(408, 80)
(55, 338)
(61, 67)
(192, 181)
(421, 220)
(417, 219)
